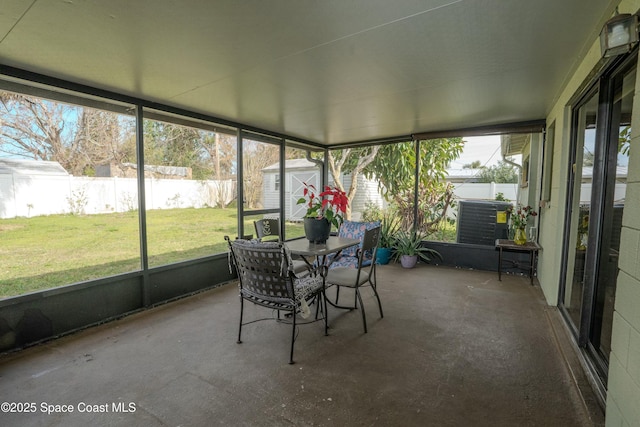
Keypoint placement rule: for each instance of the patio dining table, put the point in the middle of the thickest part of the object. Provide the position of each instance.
(320, 251)
(333, 245)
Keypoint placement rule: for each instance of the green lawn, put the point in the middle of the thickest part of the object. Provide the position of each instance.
(446, 233)
(50, 251)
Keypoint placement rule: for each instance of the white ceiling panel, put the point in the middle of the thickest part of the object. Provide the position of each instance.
(330, 71)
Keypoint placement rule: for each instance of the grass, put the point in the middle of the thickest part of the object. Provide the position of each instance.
(51, 251)
(446, 232)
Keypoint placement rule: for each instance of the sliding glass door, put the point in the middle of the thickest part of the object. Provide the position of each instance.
(597, 183)
(615, 156)
(584, 128)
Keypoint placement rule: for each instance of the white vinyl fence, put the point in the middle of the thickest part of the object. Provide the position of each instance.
(485, 191)
(33, 195)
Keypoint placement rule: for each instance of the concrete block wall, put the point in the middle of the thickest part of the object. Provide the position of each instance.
(623, 389)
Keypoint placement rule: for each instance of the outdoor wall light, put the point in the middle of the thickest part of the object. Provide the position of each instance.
(619, 34)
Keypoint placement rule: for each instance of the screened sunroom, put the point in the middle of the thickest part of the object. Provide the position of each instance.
(135, 136)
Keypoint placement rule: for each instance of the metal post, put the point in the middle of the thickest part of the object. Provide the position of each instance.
(281, 190)
(416, 186)
(239, 181)
(142, 213)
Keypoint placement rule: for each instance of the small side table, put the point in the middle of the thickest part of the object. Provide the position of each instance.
(509, 245)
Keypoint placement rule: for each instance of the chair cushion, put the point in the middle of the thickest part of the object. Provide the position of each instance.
(257, 243)
(299, 267)
(354, 230)
(344, 276)
(344, 262)
(306, 287)
(348, 262)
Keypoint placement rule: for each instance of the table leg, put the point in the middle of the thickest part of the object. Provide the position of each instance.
(326, 313)
(531, 259)
(320, 261)
(500, 264)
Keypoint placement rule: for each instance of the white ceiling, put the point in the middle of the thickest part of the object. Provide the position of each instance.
(328, 71)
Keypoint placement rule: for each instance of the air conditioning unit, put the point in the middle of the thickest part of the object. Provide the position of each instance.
(482, 222)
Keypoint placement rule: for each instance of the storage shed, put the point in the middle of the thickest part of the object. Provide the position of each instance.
(299, 171)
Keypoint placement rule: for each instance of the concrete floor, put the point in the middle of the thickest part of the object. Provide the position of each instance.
(455, 348)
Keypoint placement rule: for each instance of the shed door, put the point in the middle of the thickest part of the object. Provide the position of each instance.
(296, 212)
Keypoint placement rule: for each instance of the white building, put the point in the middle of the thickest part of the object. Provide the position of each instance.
(299, 171)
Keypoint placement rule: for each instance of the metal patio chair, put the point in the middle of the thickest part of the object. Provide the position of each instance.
(268, 229)
(266, 278)
(361, 276)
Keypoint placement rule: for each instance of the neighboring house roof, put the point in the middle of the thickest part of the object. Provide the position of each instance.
(462, 175)
(514, 144)
(31, 167)
(291, 164)
(621, 172)
(164, 170)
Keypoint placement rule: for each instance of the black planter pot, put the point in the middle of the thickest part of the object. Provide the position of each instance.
(317, 230)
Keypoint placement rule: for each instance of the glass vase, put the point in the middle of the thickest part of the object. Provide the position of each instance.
(520, 238)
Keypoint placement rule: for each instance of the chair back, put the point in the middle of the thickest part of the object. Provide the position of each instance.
(268, 227)
(355, 230)
(369, 245)
(263, 272)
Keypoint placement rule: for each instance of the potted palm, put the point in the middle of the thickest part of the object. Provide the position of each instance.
(323, 210)
(408, 248)
(389, 226)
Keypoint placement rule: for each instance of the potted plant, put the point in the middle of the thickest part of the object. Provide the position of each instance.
(408, 248)
(389, 226)
(519, 218)
(323, 209)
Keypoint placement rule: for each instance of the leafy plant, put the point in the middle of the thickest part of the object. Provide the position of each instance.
(174, 202)
(502, 172)
(394, 168)
(520, 216)
(500, 197)
(410, 243)
(78, 201)
(389, 227)
(352, 161)
(371, 212)
(330, 204)
(129, 201)
(624, 141)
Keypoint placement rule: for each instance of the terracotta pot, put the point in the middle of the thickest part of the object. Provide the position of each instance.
(317, 230)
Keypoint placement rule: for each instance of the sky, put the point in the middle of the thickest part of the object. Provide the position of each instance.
(483, 148)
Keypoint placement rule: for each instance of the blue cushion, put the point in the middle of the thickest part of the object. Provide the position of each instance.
(348, 262)
(355, 230)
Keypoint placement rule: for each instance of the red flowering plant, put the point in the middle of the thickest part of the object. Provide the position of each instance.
(520, 216)
(330, 203)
